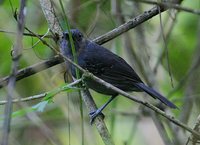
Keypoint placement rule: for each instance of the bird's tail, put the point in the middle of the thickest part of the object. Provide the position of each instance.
(155, 95)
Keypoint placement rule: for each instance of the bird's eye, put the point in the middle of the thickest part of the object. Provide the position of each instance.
(80, 35)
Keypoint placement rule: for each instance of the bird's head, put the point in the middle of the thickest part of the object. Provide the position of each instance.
(78, 41)
(77, 36)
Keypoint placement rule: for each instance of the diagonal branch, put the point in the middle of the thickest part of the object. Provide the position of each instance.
(169, 5)
(36, 68)
(150, 106)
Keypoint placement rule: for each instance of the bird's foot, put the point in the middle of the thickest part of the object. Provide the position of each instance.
(94, 114)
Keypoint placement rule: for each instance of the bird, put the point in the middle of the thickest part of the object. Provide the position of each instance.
(107, 66)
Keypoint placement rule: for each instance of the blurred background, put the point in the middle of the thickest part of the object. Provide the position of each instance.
(164, 51)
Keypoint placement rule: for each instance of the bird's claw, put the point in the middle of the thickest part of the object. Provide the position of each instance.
(94, 114)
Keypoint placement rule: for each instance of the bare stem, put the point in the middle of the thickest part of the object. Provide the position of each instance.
(11, 82)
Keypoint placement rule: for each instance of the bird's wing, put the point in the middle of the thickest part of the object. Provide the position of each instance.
(110, 67)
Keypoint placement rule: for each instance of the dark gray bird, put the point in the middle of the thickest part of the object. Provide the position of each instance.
(107, 66)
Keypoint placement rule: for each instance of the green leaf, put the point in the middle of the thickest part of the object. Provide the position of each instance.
(40, 106)
(22, 112)
(63, 88)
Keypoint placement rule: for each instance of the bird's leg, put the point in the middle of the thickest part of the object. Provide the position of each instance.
(95, 113)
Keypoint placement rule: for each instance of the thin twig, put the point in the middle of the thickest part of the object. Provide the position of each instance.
(25, 34)
(170, 5)
(39, 96)
(12, 80)
(94, 22)
(161, 55)
(30, 98)
(166, 50)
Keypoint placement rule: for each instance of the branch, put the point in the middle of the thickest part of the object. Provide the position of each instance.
(50, 16)
(12, 80)
(36, 68)
(100, 124)
(170, 5)
(30, 98)
(129, 25)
